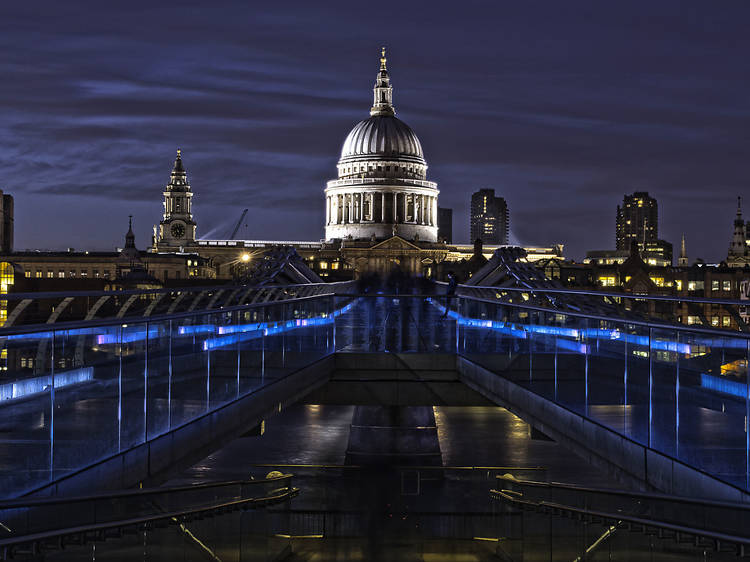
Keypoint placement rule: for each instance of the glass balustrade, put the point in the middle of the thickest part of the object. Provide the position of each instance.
(73, 396)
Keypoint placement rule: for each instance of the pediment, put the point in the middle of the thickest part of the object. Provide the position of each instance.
(395, 243)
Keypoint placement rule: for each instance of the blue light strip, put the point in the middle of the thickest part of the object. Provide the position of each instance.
(522, 331)
(244, 332)
(35, 385)
(127, 337)
(197, 329)
(724, 385)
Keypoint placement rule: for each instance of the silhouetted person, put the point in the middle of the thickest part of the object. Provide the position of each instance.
(396, 280)
(449, 292)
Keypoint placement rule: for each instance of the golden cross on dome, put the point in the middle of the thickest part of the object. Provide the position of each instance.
(178, 152)
(382, 58)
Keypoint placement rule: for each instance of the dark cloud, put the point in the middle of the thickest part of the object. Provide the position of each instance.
(562, 107)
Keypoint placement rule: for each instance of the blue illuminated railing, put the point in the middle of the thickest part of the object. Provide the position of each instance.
(680, 390)
(74, 395)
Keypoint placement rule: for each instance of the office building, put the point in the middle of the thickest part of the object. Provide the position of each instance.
(637, 220)
(489, 217)
(445, 225)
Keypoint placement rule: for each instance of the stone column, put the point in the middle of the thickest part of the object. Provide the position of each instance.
(328, 210)
(434, 211)
(406, 206)
(382, 207)
(395, 208)
(351, 208)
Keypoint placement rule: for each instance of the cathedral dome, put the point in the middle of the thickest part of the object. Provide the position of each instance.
(382, 137)
(382, 188)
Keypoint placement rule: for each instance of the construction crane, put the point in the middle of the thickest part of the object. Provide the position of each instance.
(239, 222)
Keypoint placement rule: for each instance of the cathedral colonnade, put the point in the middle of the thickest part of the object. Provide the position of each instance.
(378, 206)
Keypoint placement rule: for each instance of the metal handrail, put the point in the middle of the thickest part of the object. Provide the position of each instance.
(742, 543)
(625, 493)
(23, 502)
(548, 310)
(628, 321)
(8, 546)
(79, 324)
(33, 328)
(125, 292)
(632, 296)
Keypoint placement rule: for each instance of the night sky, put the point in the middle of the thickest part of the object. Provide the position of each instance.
(560, 106)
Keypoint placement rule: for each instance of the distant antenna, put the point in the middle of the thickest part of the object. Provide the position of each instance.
(239, 222)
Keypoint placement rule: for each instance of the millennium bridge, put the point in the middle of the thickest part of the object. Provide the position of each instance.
(105, 397)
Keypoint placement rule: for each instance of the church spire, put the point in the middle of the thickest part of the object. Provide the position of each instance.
(383, 91)
(130, 237)
(738, 245)
(179, 176)
(682, 261)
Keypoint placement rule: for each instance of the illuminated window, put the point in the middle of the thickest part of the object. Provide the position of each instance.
(96, 273)
(714, 320)
(607, 281)
(72, 273)
(335, 265)
(50, 273)
(323, 265)
(693, 320)
(726, 321)
(726, 285)
(678, 284)
(61, 273)
(715, 285)
(27, 274)
(84, 273)
(7, 279)
(658, 281)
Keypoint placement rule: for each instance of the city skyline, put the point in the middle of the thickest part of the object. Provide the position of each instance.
(94, 108)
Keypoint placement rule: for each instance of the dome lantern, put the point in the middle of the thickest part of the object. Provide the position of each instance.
(383, 91)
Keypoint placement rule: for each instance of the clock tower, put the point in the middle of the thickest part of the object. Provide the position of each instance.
(177, 227)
